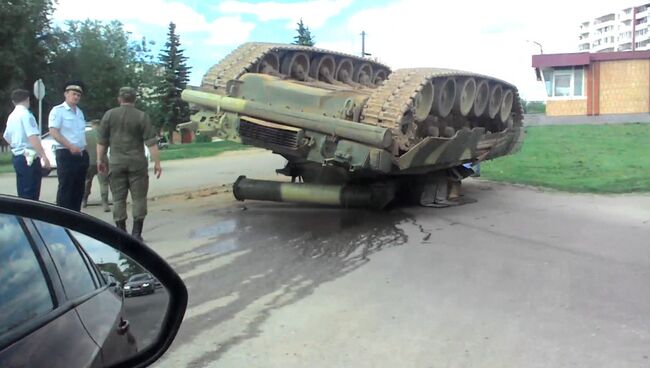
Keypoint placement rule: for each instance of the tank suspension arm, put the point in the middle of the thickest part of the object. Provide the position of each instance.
(363, 133)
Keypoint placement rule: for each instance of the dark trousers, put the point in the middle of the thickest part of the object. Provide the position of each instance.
(71, 170)
(28, 178)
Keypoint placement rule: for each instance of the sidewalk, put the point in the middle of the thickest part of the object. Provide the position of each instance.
(180, 176)
(541, 119)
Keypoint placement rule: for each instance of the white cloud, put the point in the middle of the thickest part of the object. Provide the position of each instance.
(488, 37)
(157, 13)
(229, 31)
(314, 13)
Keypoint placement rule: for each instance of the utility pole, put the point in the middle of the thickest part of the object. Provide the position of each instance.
(363, 44)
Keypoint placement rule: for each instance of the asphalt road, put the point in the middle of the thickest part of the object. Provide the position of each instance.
(145, 314)
(521, 278)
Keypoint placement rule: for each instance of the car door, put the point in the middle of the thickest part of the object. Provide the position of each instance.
(38, 326)
(98, 307)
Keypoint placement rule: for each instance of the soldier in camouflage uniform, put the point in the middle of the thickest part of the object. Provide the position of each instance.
(91, 142)
(127, 130)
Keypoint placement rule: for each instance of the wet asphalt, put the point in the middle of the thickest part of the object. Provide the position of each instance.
(522, 277)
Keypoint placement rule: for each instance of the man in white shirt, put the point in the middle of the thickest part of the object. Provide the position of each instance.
(23, 136)
(67, 126)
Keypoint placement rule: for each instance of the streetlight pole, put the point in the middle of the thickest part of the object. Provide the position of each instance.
(541, 51)
(363, 44)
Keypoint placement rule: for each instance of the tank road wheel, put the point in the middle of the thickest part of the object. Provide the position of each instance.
(423, 102)
(482, 98)
(465, 95)
(344, 71)
(496, 96)
(506, 106)
(323, 68)
(270, 64)
(380, 76)
(363, 74)
(296, 66)
(445, 95)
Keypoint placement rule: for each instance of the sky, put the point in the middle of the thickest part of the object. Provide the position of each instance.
(495, 38)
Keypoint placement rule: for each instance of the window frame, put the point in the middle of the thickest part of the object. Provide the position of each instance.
(566, 71)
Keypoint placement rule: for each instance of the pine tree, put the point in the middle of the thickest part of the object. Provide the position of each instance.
(175, 78)
(304, 36)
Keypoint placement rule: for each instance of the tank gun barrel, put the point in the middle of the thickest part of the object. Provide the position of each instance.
(364, 133)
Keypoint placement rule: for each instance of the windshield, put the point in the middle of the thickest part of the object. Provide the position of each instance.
(140, 277)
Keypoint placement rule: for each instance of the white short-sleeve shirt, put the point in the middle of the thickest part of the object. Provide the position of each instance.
(21, 124)
(71, 125)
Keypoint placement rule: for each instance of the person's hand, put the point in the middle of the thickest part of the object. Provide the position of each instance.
(157, 170)
(75, 150)
(102, 168)
(45, 163)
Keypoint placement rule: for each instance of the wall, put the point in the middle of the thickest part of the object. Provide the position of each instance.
(566, 107)
(624, 86)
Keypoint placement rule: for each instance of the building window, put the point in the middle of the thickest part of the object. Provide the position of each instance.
(564, 82)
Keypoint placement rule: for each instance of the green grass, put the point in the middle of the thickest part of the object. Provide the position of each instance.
(580, 158)
(181, 151)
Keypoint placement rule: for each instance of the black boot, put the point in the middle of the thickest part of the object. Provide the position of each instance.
(137, 229)
(121, 224)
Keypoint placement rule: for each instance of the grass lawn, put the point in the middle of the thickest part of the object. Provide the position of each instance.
(181, 151)
(579, 158)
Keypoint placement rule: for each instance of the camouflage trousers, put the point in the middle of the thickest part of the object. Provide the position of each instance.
(103, 182)
(125, 178)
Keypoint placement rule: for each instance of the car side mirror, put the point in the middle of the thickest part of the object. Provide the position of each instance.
(67, 274)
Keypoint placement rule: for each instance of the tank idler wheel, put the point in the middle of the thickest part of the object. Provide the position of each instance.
(323, 68)
(296, 66)
(465, 96)
(344, 71)
(482, 98)
(423, 101)
(270, 64)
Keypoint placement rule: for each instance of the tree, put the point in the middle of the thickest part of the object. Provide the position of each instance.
(304, 36)
(24, 31)
(100, 55)
(175, 78)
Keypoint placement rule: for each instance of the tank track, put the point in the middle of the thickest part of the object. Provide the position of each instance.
(247, 58)
(395, 104)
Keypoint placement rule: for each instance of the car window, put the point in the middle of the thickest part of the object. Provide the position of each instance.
(24, 293)
(72, 268)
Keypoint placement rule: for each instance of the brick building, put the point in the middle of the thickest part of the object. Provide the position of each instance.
(595, 83)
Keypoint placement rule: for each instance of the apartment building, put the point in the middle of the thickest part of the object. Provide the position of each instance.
(621, 30)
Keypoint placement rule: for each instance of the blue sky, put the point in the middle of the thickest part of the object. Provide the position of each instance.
(488, 37)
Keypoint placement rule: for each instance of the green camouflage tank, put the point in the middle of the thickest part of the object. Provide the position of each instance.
(354, 132)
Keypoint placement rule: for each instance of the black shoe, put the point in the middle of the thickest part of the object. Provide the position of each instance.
(121, 224)
(137, 229)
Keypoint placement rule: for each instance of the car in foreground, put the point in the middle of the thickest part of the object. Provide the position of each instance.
(58, 309)
(139, 284)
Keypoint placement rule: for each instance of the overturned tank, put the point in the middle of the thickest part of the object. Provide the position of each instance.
(354, 132)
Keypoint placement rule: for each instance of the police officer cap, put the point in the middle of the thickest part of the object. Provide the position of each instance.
(127, 93)
(76, 86)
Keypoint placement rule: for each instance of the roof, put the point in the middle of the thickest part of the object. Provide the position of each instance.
(585, 58)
